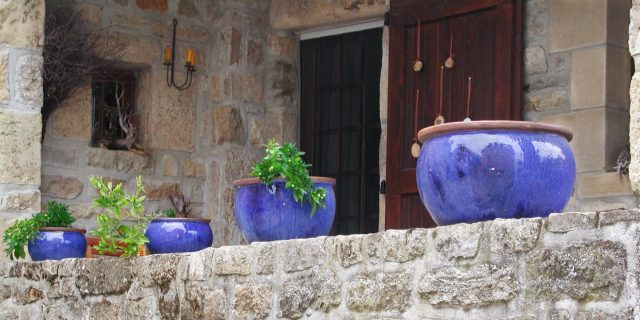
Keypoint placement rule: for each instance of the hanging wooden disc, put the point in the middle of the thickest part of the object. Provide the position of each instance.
(439, 120)
(417, 65)
(450, 63)
(415, 149)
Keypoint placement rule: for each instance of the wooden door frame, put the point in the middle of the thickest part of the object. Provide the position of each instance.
(408, 12)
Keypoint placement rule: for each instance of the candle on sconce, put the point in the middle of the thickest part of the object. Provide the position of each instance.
(191, 59)
(167, 55)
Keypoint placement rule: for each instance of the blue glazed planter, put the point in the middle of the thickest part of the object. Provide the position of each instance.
(58, 244)
(483, 170)
(171, 235)
(268, 213)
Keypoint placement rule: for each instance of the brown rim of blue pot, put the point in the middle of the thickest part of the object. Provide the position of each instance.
(60, 229)
(432, 131)
(250, 181)
(181, 219)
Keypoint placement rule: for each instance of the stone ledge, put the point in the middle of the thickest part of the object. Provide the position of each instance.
(516, 264)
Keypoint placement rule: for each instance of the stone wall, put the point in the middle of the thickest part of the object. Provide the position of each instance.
(21, 40)
(577, 74)
(569, 266)
(244, 92)
(634, 126)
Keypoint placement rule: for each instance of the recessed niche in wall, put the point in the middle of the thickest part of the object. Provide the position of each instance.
(114, 122)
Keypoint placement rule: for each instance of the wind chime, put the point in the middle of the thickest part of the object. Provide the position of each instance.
(450, 64)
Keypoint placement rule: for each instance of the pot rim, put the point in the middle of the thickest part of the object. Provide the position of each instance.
(250, 181)
(60, 229)
(180, 219)
(432, 131)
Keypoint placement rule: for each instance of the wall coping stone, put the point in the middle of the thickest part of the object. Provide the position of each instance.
(494, 269)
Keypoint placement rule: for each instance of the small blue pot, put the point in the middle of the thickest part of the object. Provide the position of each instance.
(58, 244)
(268, 213)
(483, 170)
(171, 235)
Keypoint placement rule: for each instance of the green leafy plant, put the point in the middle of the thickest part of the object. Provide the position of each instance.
(23, 231)
(286, 161)
(169, 213)
(116, 236)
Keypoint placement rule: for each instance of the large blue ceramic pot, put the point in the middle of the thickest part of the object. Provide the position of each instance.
(268, 213)
(58, 244)
(171, 235)
(483, 170)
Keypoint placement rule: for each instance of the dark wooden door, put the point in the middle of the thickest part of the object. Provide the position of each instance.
(484, 38)
(340, 130)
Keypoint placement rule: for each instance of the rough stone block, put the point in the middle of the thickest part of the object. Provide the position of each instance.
(203, 303)
(623, 314)
(238, 164)
(379, 291)
(121, 161)
(606, 184)
(20, 147)
(138, 50)
(158, 269)
(21, 201)
(22, 24)
(589, 136)
(345, 250)
(282, 84)
(72, 118)
(188, 8)
(172, 115)
(184, 31)
(89, 13)
(128, 20)
(252, 300)
(157, 5)
(169, 166)
(283, 127)
(302, 254)
(546, 99)
(567, 16)
(193, 168)
(255, 52)
(476, 286)
(244, 87)
(28, 83)
(403, 245)
(585, 271)
(232, 260)
(514, 236)
(284, 46)
(94, 277)
(458, 241)
(615, 216)
(256, 133)
(301, 14)
(227, 125)
(569, 221)
(61, 187)
(59, 156)
(4, 77)
(588, 77)
(29, 295)
(319, 290)
(535, 60)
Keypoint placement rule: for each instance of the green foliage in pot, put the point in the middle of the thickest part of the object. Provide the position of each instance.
(116, 236)
(17, 236)
(285, 161)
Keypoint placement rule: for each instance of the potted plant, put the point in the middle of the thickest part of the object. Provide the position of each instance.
(48, 236)
(122, 225)
(282, 201)
(174, 231)
(482, 170)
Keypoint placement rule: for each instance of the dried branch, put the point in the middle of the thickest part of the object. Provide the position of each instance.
(73, 53)
(180, 204)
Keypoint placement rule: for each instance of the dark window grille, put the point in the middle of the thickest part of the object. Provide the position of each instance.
(106, 89)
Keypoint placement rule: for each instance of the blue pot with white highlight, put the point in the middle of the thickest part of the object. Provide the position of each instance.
(57, 244)
(173, 235)
(269, 212)
(483, 170)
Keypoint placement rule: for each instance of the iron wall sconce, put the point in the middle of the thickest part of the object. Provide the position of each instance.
(169, 61)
